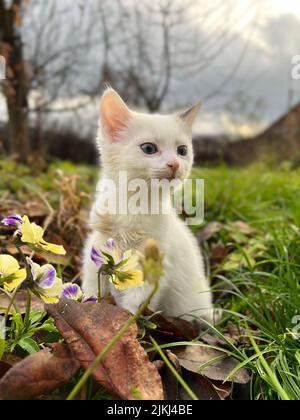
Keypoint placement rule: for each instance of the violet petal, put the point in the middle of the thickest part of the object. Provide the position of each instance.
(12, 220)
(70, 291)
(48, 278)
(89, 299)
(109, 244)
(32, 268)
(97, 257)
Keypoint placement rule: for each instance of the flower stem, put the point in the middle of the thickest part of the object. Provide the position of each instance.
(11, 303)
(111, 344)
(99, 285)
(28, 308)
(28, 271)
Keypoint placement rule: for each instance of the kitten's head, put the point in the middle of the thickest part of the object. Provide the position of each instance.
(146, 146)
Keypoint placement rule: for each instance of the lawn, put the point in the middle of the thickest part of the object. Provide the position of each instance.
(251, 243)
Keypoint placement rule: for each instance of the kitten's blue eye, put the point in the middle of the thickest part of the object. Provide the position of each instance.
(149, 148)
(182, 150)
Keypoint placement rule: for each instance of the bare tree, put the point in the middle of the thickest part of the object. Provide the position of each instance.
(166, 42)
(51, 53)
(15, 86)
(147, 50)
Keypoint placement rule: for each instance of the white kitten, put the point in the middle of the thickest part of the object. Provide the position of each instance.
(148, 147)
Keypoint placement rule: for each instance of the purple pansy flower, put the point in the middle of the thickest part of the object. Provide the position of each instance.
(89, 299)
(109, 244)
(48, 277)
(71, 291)
(12, 220)
(97, 258)
(44, 276)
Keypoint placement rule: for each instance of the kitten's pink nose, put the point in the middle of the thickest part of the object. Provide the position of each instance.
(173, 165)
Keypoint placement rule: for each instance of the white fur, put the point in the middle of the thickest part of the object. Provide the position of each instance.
(184, 288)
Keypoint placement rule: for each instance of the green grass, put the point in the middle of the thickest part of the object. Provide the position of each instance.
(257, 284)
(262, 292)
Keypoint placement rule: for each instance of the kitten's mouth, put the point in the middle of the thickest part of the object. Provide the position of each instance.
(167, 175)
(173, 175)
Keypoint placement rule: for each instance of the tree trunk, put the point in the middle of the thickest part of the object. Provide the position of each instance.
(15, 85)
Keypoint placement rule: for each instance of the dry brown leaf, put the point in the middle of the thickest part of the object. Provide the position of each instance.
(87, 328)
(201, 387)
(218, 253)
(239, 335)
(4, 367)
(40, 373)
(171, 386)
(224, 390)
(214, 340)
(244, 228)
(174, 328)
(208, 231)
(204, 388)
(193, 357)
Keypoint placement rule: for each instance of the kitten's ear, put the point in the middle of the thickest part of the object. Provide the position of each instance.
(189, 116)
(114, 114)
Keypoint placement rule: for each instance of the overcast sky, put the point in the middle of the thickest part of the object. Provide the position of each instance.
(272, 30)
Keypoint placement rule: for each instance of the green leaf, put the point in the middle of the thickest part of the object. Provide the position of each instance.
(2, 347)
(52, 337)
(109, 257)
(36, 316)
(29, 345)
(48, 326)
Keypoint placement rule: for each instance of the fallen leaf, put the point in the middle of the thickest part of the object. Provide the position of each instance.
(208, 231)
(214, 340)
(204, 388)
(159, 364)
(239, 335)
(170, 383)
(87, 328)
(224, 390)
(11, 359)
(4, 367)
(218, 253)
(172, 327)
(193, 357)
(39, 373)
(243, 227)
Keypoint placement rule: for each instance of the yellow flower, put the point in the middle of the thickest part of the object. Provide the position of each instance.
(123, 269)
(33, 234)
(52, 295)
(152, 262)
(11, 275)
(128, 275)
(46, 284)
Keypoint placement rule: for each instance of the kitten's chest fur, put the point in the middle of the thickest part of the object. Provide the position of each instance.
(131, 231)
(183, 286)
